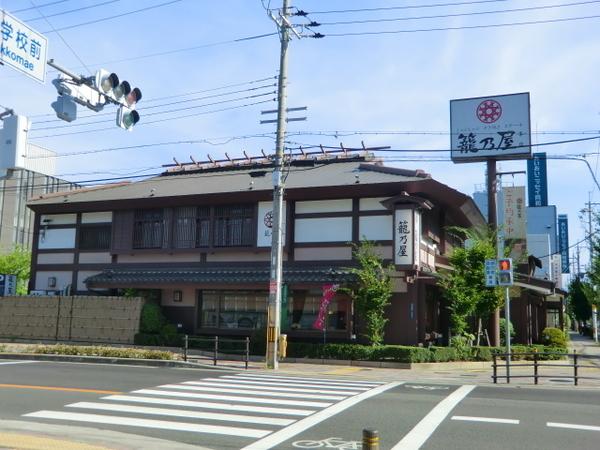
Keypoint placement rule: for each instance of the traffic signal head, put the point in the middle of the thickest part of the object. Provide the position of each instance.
(505, 272)
(134, 96)
(127, 117)
(109, 84)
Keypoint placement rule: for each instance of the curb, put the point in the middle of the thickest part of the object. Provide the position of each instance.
(107, 360)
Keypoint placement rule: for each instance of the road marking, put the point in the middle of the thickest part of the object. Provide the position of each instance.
(17, 441)
(209, 405)
(182, 413)
(269, 388)
(328, 381)
(283, 435)
(54, 388)
(425, 428)
(250, 392)
(232, 398)
(149, 423)
(241, 380)
(6, 363)
(572, 426)
(486, 419)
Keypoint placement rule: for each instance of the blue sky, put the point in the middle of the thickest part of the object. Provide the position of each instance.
(384, 89)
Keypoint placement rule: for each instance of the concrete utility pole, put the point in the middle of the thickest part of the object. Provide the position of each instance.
(274, 306)
(494, 325)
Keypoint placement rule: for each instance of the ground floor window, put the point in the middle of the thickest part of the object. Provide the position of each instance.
(304, 306)
(233, 309)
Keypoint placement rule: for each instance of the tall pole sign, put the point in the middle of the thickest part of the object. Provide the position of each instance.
(22, 48)
(490, 129)
(537, 181)
(563, 241)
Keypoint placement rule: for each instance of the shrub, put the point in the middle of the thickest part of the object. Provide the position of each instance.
(109, 352)
(554, 337)
(503, 331)
(152, 319)
(158, 340)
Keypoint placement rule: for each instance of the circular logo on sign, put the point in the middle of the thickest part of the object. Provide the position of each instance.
(489, 111)
(268, 220)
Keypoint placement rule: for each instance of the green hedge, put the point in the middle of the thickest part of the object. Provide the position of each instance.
(110, 352)
(407, 354)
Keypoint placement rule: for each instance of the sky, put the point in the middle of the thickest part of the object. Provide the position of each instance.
(383, 74)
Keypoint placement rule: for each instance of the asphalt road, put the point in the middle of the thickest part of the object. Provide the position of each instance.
(143, 407)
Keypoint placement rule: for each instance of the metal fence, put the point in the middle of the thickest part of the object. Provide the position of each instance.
(539, 362)
(216, 349)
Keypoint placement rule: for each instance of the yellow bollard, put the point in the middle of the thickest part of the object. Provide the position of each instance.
(370, 439)
(282, 345)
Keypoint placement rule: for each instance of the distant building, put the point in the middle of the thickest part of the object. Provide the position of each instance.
(26, 170)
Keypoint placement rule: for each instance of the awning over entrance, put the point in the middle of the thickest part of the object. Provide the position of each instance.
(217, 275)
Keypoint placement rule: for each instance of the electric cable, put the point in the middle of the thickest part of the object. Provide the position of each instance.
(96, 5)
(390, 8)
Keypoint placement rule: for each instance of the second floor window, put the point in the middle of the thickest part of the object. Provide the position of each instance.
(148, 228)
(94, 237)
(234, 226)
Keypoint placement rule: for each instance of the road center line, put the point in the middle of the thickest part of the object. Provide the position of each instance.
(486, 419)
(572, 426)
(425, 428)
(304, 424)
(55, 388)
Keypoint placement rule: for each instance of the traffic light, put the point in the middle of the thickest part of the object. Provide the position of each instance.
(127, 117)
(505, 272)
(109, 84)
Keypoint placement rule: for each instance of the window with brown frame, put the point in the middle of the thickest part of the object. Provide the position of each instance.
(94, 237)
(233, 226)
(148, 228)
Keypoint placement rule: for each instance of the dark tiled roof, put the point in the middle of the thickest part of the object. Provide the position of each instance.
(216, 275)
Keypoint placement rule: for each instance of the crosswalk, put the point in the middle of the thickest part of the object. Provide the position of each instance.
(243, 405)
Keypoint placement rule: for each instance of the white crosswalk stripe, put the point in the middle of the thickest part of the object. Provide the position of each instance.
(250, 406)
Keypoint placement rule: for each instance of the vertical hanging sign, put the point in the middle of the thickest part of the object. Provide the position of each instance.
(407, 237)
(563, 241)
(514, 212)
(537, 181)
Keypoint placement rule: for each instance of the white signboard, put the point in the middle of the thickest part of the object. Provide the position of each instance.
(22, 48)
(496, 127)
(556, 270)
(265, 224)
(407, 237)
(514, 212)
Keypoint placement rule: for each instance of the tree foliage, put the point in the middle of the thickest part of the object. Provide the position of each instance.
(17, 262)
(373, 291)
(579, 303)
(464, 286)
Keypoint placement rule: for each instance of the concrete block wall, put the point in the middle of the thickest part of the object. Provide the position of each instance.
(72, 318)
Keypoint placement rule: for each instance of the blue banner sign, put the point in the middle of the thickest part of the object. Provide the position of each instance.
(563, 242)
(537, 181)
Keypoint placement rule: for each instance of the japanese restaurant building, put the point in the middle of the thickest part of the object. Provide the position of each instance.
(198, 238)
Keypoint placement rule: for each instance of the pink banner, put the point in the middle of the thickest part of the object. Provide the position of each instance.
(328, 295)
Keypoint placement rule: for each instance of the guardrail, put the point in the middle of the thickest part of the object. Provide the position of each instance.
(209, 347)
(539, 361)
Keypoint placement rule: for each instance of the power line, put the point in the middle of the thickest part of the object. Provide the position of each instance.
(464, 27)
(61, 37)
(157, 121)
(39, 6)
(116, 16)
(209, 141)
(443, 16)
(96, 5)
(389, 8)
(150, 100)
(153, 106)
(62, 127)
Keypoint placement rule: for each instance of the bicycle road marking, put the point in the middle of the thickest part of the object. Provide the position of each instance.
(304, 424)
(332, 442)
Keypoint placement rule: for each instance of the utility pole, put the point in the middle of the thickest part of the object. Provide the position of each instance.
(274, 305)
(494, 325)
